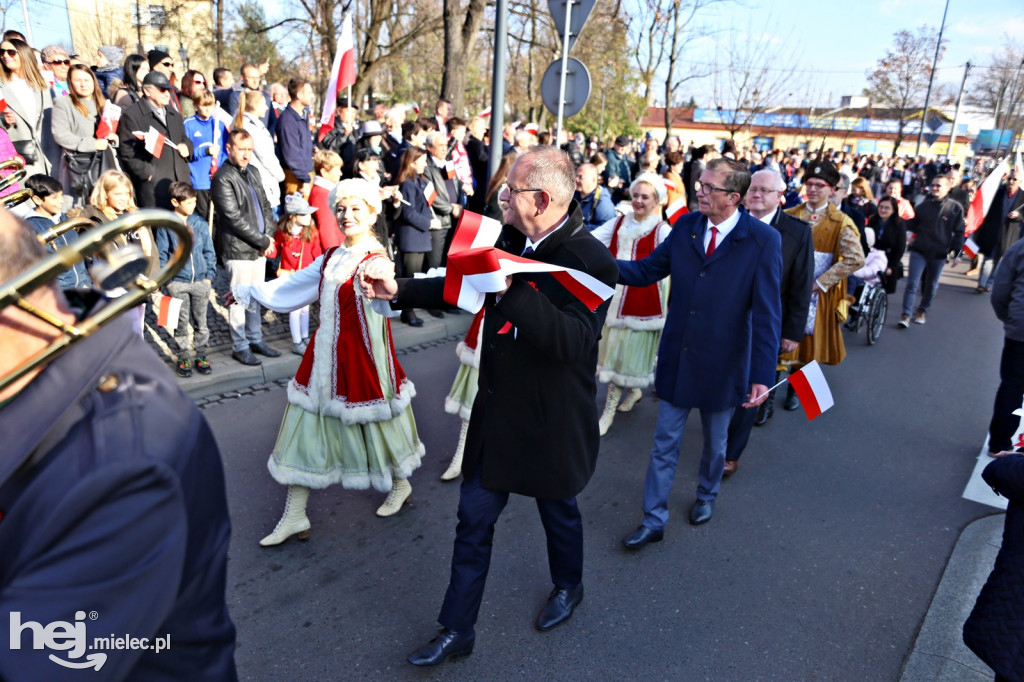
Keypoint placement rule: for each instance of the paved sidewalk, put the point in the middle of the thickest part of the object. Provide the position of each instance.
(230, 375)
(939, 653)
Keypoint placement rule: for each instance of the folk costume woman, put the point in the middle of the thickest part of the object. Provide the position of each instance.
(632, 330)
(348, 418)
(463, 392)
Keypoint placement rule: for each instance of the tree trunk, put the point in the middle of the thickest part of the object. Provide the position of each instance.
(219, 32)
(461, 27)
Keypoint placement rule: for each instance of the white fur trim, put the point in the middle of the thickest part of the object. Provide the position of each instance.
(467, 355)
(643, 324)
(453, 406)
(610, 377)
(353, 480)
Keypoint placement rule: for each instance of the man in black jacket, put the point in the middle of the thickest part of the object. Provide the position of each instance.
(938, 229)
(112, 491)
(152, 174)
(245, 224)
(763, 200)
(533, 430)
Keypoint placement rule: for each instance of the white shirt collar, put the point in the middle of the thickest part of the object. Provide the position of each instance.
(534, 244)
(767, 220)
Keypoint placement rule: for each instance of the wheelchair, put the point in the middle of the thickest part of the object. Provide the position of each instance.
(869, 310)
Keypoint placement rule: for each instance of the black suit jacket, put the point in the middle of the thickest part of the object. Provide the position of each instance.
(533, 429)
(797, 273)
(151, 176)
(998, 233)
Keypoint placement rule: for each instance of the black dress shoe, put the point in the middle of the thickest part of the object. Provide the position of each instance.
(701, 511)
(642, 537)
(446, 645)
(561, 603)
(764, 412)
(792, 402)
(436, 313)
(246, 357)
(263, 349)
(409, 317)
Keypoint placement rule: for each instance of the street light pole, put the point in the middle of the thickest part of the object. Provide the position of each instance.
(498, 86)
(956, 116)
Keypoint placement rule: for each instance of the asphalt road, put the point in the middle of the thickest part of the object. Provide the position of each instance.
(822, 558)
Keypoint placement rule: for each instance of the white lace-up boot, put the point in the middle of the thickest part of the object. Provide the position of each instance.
(605, 423)
(401, 490)
(454, 469)
(633, 396)
(293, 521)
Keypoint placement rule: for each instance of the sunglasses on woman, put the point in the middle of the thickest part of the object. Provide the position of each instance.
(9, 53)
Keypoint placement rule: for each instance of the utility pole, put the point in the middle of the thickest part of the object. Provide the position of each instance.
(956, 116)
(931, 78)
(28, 26)
(498, 86)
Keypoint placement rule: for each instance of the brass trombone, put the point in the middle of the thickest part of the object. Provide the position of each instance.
(65, 226)
(15, 198)
(17, 176)
(120, 267)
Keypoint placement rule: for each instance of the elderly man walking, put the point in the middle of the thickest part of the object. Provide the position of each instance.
(533, 429)
(721, 338)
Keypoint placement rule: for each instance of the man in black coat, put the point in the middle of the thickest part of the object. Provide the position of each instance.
(533, 429)
(113, 500)
(1001, 228)
(763, 201)
(245, 227)
(479, 158)
(446, 207)
(151, 174)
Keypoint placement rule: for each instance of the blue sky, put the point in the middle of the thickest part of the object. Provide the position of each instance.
(835, 42)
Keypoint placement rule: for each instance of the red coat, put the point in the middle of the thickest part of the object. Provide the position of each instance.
(295, 253)
(330, 233)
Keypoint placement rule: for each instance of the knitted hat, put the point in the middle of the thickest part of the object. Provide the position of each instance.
(114, 55)
(156, 56)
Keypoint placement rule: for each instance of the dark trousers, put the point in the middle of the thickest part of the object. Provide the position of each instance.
(438, 239)
(1008, 398)
(740, 426)
(479, 509)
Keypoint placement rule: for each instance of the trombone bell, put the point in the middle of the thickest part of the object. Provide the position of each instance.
(116, 265)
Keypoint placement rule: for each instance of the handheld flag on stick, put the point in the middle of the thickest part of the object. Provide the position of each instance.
(167, 311)
(430, 193)
(983, 197)
(343, 75)
(109, 119)
(812, 389)
(676, 210)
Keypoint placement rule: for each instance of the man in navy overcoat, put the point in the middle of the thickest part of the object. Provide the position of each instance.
(721, 338)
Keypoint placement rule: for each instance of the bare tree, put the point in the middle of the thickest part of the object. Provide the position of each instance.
(758, 73)
(461, 27)
(683, 29)
(1000, 87)
(901, 76)
(647, 28)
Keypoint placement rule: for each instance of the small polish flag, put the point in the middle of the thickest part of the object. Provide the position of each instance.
(167, 311)
(3, 104)
(676, 210)
(449, 167)
(669, 185)
(486, 113)
(531, 128)
(812, 389)
(154, 140)
(416, 107)
(430, 193)
(49, 76)
(109, 119)
(970, 249)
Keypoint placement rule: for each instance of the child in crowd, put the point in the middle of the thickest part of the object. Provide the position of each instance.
(297, 242)
(193, 282)
(327, 172)
(48, 200)
(208, 136)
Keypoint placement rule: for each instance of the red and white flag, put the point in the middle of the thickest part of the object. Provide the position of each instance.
(416, 107)
(3, 104)
(676, 210)
(154, 140)
(449, 169)
(475, 268)
(343, 74)
(109, 119)
(531, 128)
(669, 184)
(983, 197)
(486, 113)
(167, 309)
(812, 389)
(430, 193)
(970, 249)
(49, 76)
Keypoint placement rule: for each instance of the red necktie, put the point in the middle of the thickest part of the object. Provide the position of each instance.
(711, 244)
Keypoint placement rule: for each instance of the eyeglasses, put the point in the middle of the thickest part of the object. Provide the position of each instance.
(167, 64)
(705, 189)
(199, 81)
(759, 190)
(514, 190)
(817, 185)
(9, 53)
(65, 62)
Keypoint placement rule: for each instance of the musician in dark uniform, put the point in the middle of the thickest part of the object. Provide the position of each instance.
(111, 498)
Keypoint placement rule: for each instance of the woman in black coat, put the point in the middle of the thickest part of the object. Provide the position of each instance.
(995, 628)
(412, 225)
(890, 237)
